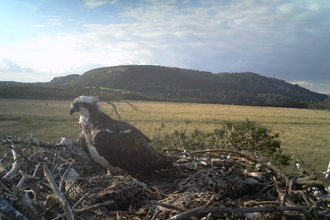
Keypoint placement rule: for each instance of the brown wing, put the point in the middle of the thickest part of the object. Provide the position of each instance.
(124, 146)
(83, 145)
(103, 122)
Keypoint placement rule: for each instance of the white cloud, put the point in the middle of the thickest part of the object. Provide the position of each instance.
(269, 37)
(7, 65)
(24, 77)
(91, 4)
(322, 87)
(14, 71)
(32, 6)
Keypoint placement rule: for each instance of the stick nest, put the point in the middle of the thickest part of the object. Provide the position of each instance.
(208, 184)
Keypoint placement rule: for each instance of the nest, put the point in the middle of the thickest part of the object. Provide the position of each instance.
(208, 184)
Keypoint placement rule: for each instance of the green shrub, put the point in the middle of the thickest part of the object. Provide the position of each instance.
(244, 136)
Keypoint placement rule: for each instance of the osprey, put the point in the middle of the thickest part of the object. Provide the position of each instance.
(116, 145)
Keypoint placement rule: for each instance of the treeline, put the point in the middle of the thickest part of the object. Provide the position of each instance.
(47, 92)
(43, 91)
(325, 105)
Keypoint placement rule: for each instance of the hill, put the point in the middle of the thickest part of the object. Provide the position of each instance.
(63, 79)
(175, 84)
(159, 83)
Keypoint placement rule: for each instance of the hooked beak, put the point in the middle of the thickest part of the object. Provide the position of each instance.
(72, 110)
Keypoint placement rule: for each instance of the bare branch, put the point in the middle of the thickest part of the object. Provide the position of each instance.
(58, 193)
(130, 104)
(9, 211)
(205, 210)
(15, 167)
(167, 206)
(95, 206)
(113, 105)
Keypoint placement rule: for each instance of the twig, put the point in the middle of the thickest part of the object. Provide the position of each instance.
(287, 185)
(113, 105)
(256, 203)
(213, 198)
(2, 186)
(155, 216)
(62, 179)
(36, 170)
(272, 167)
(14, 169)
(80, 200)
(204, 210)
(308, 181)
(58, 193)
(95, 206)
(26, 205)
(21, 182)
(327, 173)
(39, 144)
(167, 206)
(130, 104)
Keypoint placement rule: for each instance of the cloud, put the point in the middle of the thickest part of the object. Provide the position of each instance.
(91, 4)
(53, 20)
(322, 87)
(288, 40)
(7, 65)
(243, 34)
(32, 7)
(13, 71)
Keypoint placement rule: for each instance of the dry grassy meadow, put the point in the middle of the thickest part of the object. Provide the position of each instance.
(305, 134)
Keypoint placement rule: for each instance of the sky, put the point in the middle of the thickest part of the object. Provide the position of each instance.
(284, 39)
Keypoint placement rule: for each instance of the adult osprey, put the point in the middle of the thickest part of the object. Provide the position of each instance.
(116, 145)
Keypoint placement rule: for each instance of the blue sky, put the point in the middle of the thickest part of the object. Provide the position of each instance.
(289, 40)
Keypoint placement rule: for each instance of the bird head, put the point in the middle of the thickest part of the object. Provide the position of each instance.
(85, 105)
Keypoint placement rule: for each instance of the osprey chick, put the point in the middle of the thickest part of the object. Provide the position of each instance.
(122, 190)
(116, 145)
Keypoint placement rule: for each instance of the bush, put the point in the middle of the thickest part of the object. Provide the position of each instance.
(238, 136)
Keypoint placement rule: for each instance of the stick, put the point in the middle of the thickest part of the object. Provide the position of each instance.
(21, 182)
(130, 104)
(272, 167)
(64, 202)
(327, 175)
(287, 185)
(113, 105)
(40, 144)
(3, 187)
(204, 210)
(167, 206)
(213, 198)
(9, 211)
(81, 199)
(95, 206)
(14, 169)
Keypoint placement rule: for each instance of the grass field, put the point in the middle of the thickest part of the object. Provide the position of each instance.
(304, 133)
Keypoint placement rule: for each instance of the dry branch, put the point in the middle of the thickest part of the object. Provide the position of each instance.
(205, 210)
(114, 107)
(64, 202)
(9, 211)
